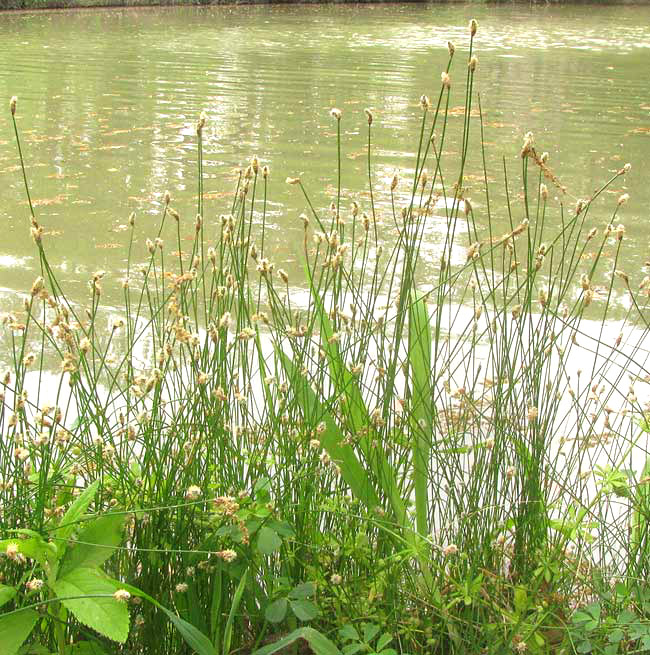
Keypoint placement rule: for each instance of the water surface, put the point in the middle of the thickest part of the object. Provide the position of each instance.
(108, 101)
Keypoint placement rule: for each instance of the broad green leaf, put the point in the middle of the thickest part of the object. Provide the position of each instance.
(303, 591)
(383, 641)
(370, 631)
(234, 608)
(106, 615)
(348, 631)
(276, 611)
(318, 642)
(6, 594)
(305, 610)
(76, 511)
(34, 649)
(422, 421)
(352, 649)
(332, 438)
(95, 544)
(268, 540)
(15, 628)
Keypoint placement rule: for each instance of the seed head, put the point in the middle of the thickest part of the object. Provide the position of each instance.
(201, 123)
(620, 232)
(473, 26)
(255, 164)
(193, 492)
(451, 47)
(167, 197)
(122, 595)
(449, 550)
(533, 413)
(293, 180)
(394, 181)
(623, 199)
(473, 63)
(132, 219)
(265, 171)
(445, 79)
(336, 113)
(182, 587)
(336, 579)
(543, 191)
(368, 116)
(34, 584)
(12, 105)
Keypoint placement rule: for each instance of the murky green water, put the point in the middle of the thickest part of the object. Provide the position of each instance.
(108, 101)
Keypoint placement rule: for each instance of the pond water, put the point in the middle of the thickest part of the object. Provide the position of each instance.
(108, 100)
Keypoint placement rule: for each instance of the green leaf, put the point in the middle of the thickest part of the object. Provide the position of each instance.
(194, 638)
(35, 548)
(268, 540)
(584, 647)
(85, 648)
(318, 642)
(348, 631)
(383, 641)
(303, 591)
(276, 611)
(96, 543)
(6, 594)
(615, 636)
(234, 608)
(106, 615)
(15, 628)
(352, 649)
(305, 610)
(370, 631)
(76, 511)
(423, 412)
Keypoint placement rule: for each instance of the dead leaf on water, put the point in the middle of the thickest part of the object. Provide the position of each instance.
(108, 246)
(46, 202)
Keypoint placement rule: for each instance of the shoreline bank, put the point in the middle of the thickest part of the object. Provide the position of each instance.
(33, 5)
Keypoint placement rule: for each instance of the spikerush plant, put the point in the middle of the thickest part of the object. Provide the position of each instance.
(401, 419)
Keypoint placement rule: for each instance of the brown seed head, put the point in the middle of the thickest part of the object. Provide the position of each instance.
(473, 26)
(451, 47)
(12, 105)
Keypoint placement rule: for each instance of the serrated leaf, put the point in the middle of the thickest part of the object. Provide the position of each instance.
(268, 540)
(305, 610)
(97, 542)
(15, 628)
(106, 615)
(6, 594)
(303, 591)
(318, 642)
(276, 611)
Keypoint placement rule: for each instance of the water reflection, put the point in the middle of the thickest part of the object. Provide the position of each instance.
(108, 101)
